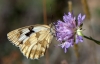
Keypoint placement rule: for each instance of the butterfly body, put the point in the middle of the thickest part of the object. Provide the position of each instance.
(32, 40)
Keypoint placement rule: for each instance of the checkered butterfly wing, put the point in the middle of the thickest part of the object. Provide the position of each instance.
(32, 40)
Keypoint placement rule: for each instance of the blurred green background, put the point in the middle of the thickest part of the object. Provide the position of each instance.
(19, 13)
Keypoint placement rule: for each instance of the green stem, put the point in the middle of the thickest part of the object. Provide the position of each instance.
(90, 38)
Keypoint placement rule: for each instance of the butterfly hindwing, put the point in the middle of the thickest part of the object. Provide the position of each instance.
(32, 40)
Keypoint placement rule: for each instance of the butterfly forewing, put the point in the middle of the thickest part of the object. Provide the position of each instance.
(32, 40)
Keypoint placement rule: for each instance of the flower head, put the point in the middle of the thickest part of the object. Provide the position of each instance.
(69, 31)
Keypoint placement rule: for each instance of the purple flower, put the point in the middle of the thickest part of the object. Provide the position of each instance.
(69, 30)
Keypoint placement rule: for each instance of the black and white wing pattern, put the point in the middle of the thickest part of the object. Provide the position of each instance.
(32, 40)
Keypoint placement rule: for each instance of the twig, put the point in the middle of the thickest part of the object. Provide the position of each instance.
(45, 22)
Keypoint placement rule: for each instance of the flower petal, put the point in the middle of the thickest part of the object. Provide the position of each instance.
(83, 17)
(69, 29)
(79, 16)
(79, 39)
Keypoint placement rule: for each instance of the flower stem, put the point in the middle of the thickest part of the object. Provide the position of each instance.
(90, 38)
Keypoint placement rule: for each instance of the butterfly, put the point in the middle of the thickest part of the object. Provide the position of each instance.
(32, 40)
